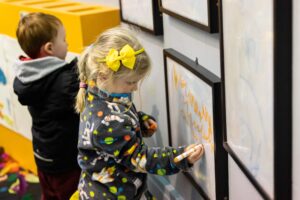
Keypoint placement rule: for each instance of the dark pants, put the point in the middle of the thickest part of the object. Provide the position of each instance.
(59, 186)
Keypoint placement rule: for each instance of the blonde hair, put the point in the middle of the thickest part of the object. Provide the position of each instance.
(90, 68)
(36, 29)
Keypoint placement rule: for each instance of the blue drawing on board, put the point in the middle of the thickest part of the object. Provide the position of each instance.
(2, 77)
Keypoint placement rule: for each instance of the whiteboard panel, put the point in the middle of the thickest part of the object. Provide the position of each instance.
(17, 114)
(200, 13)
(194, 117)
(145, 14)
(196, 10)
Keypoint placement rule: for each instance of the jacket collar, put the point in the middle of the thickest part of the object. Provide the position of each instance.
(122, 98)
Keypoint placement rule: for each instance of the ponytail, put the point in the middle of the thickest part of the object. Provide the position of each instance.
(80, 98)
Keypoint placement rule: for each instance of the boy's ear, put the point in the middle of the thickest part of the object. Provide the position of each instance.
(47, 49)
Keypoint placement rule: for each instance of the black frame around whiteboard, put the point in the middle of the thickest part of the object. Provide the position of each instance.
(156, 16)
(282, 109)
(212, 14)
(219, 154)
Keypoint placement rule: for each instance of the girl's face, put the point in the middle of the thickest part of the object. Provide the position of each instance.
(127, 84)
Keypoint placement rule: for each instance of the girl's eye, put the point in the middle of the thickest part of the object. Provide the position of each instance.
(131, 83)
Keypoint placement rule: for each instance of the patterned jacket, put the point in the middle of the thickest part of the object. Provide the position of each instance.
(113, 157)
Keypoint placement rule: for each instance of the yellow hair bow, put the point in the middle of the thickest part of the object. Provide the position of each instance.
(127, 57)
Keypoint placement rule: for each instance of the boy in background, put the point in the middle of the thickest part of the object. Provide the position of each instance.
(47, 84)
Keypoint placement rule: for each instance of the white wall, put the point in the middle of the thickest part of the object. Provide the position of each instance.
(21, 120)
(193, 42)
(296, 99)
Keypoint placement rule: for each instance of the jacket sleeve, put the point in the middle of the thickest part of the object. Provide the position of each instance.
(119, 136)
(28, 97)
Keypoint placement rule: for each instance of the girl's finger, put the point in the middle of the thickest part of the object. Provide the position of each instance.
(189, 147)
(196, 155)
(151, 121)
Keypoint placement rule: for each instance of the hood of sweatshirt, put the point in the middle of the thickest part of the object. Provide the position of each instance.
(28, 71)
(36, 78)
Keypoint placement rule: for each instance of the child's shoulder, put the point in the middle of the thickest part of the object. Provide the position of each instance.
(71, 67)
(67, 76)
(72, 64)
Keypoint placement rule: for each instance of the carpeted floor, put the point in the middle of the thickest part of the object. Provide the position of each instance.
(33, 192)
(17, 183)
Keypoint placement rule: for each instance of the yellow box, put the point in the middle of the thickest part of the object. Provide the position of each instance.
(83, 22)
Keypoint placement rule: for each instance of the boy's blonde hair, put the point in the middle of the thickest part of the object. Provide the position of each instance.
(36, 29)
(90, 68)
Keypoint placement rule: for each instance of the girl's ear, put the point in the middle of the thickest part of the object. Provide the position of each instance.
(102, 80)
(101, 77)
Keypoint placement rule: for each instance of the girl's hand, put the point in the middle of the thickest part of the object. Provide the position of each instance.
(151, 127)
(196, 155)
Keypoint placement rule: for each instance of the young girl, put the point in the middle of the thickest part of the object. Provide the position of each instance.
(112, 155)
